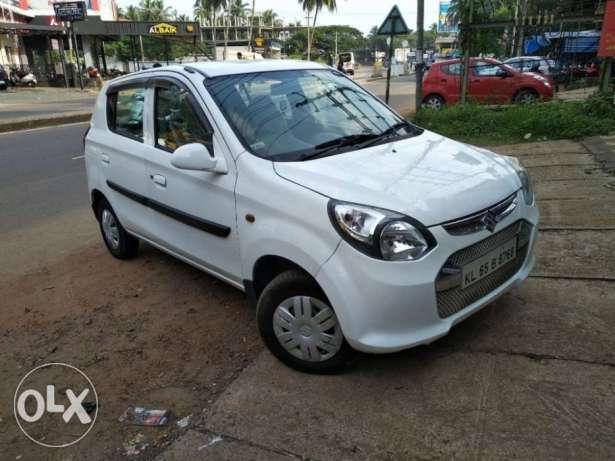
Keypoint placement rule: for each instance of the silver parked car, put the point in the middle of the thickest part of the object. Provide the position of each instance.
(532, 64)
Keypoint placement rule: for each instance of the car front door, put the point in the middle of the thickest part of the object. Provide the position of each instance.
(119, 148)
(193, 212)
(486, 85)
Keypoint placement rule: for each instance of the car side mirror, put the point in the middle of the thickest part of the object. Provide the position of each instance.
(196, 156)
(503, 73)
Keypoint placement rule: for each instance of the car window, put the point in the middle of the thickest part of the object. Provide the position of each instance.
(125, 112)
(485, 69)
(176, 121)
(452, 69)
(285, 115)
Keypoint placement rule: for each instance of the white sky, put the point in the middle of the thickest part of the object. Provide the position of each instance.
(362, 14)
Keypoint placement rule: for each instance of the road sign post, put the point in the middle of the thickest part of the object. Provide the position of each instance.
(70, 12)
(394, 24)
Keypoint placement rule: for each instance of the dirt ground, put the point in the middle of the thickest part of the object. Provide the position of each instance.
(152, 331)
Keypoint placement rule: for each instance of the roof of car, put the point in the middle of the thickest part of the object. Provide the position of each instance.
(217, 68)
(525, 58)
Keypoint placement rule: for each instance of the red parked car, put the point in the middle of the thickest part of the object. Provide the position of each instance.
(489, 81)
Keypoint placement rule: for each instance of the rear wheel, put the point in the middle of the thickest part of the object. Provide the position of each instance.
(119, 243)
(299, 326)
(526, 97)
(433, 101)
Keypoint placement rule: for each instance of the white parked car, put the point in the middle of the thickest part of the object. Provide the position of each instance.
(532, 64)
(348, 227)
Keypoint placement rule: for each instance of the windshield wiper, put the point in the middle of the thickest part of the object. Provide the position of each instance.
(390, 132)
(326, 147)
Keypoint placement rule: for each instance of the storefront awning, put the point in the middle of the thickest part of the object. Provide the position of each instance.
(18, 27)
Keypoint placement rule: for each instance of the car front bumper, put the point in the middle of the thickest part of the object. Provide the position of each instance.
(386, 306)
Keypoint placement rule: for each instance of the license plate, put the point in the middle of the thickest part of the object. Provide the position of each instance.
(488, 264)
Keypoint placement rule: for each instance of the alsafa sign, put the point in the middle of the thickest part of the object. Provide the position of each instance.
(163, 29)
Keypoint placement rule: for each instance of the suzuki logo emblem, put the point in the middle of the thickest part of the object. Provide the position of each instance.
(489, 221)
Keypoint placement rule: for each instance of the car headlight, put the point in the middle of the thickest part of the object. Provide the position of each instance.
(381, 233)
(524, 177)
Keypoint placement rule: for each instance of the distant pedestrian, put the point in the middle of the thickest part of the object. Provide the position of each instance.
(340, 65)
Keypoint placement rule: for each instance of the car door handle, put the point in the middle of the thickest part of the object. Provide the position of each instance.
(105, 159)
(159, 179)
(443, 80)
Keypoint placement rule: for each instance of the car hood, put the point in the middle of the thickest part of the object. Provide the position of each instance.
(428, 177)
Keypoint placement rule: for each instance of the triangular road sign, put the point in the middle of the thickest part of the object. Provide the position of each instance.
(394, 24)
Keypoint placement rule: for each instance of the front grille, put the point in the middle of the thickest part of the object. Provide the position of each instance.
(451, 300)
(477, 221)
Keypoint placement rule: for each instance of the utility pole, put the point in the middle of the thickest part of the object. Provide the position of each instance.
(250, 45)
(467, 31)
(336, 53)
(420, 29)
(308, 35)
(143, 51)
(73, 36)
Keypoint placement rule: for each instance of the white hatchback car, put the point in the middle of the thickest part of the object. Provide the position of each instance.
(348, 227)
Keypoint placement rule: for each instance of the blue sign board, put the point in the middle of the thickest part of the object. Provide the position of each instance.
(444, 22)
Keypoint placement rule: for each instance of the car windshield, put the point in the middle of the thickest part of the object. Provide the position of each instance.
(301, 114)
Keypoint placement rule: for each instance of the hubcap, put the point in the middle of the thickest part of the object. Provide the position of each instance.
(527, 98)
(307, 328)
(433, 103)
(110, 229)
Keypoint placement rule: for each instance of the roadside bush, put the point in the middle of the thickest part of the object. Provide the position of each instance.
(478, 124)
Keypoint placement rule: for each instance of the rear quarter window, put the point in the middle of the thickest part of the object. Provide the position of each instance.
(452, 69)
(125, 112)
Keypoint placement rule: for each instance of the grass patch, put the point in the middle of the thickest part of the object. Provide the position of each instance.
(484, 125)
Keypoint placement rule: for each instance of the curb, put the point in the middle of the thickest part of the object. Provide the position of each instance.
(39, 122)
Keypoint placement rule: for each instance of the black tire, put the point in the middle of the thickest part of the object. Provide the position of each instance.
(434, 102)
(287, 285)
(126, 246)
(526, 97)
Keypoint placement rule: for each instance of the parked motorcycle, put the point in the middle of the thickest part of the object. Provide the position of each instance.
(23, 78)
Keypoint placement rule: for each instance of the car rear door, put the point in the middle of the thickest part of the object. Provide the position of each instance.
(118, 150)
(448, 79)
(193, 212)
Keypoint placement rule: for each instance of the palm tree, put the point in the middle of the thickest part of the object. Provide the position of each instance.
(269, 17)
(131, 13)
(316, 6)
(202, 11)
(238, 10)
(154, 10)
(205, 8)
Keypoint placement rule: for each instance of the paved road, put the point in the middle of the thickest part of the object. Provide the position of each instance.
(401, 93)
(26, 102)
(39, 174)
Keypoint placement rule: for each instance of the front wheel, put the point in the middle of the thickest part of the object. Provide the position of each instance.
(526, 97)
(299, 326)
